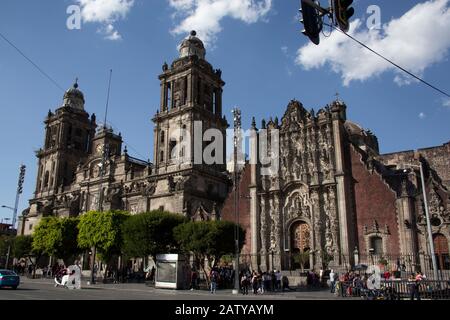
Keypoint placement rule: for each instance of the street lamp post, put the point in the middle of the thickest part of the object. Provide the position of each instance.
(427, 215)
(237, 128)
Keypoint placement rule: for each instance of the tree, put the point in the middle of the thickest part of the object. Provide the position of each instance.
(102, 231)
(57, 237)
(6, 242)
(302, 258)
(23, 247)
(150, 233)
(208, 240)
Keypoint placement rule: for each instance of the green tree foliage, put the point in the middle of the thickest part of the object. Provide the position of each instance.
(57, 237)
(102, 230)
(23, 247)
(150, 233)
(5, 242)
(208, 240)
(302, 258)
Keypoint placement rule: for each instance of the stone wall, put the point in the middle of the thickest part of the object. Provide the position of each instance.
(374, 201)
(227, 213)
(438, 158)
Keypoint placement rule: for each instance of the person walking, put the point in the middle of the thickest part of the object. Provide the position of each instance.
(244, 284)
(332, 281)
(214, 280)
(255, 283)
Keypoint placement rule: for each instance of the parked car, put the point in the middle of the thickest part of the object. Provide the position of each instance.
(9, 279)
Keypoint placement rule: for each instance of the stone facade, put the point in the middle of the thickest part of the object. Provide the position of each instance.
(70, 180)
(335, 193)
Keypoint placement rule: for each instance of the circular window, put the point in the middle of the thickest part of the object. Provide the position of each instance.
(435, 222)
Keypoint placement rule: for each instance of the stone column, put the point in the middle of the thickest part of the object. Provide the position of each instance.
(316, 226)
(263, 237)
(340, 179)
(163, 96)
(254, 208)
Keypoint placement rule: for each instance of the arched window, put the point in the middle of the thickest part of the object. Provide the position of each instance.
(376, 244)
(162, 137)
(161, 156)
(441, 251)
(46, 178)
(172, 145)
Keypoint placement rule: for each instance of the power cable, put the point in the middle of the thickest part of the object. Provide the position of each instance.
(31, 61)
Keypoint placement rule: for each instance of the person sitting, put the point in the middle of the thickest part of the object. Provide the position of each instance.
(285, 282)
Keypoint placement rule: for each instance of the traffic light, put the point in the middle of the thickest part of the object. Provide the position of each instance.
(312, 21)
(343, 12)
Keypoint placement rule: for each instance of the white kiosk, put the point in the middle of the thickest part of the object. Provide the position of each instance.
(172, 272)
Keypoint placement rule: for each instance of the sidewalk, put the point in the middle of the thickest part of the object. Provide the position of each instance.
(200, 294)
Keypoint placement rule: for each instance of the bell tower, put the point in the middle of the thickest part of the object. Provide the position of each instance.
(189, 158)
(191, 97)
(68, 136)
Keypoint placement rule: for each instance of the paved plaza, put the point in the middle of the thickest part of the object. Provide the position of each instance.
(44, 289)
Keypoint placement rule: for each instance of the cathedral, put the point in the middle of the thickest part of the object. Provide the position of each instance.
(334, 195)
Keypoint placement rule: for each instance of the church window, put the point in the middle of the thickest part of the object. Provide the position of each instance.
(169, 96)
(199, 91)
(185, 90)
(441, 251)
(163, 137)
(376, 244)
(172, 145)
(214, 100)
(69, 135)
(46, 179)
(161, 156)
(88, 141)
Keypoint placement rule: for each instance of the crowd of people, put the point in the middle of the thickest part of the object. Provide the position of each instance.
(354, 284)
(255, 282)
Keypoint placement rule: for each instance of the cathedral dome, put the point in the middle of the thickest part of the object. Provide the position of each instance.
(192, 46)
(74, 98)
(354, 129)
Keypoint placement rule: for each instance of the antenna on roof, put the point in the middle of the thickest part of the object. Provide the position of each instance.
(107, 99)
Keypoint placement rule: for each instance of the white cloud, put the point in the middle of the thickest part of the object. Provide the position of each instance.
(446, 102)
(284, 49)
(205, 16)
(422, 115)
(105, 12)
(416, 40)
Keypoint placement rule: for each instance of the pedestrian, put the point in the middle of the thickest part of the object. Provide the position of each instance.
(244, 284)
(285, 281)
(214, 279)
(278, 277)
(414, 285)
(194, 280)
(332, 281)
(254, 283)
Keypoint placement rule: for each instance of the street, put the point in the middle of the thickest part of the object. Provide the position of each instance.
(44, 289)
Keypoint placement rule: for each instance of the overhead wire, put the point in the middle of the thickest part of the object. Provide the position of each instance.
(54, 81)
(31, 61)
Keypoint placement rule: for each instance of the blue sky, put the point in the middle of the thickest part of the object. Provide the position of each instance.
(265, 60)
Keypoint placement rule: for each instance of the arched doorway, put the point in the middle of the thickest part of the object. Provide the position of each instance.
(300, 245)
(441, 251)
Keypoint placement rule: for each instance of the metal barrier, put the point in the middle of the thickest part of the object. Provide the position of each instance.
(396, 290)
